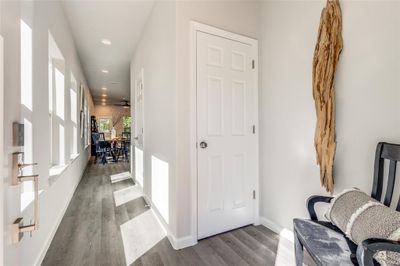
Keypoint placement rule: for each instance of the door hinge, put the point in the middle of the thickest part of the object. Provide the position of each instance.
(254, 194)
(254, 129)
(253, 64)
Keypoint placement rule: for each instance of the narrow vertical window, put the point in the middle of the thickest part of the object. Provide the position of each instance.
(26, 65)
(60, 92)
(74, 117)
(57, 123)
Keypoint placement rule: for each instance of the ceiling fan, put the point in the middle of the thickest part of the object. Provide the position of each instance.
(124, 103)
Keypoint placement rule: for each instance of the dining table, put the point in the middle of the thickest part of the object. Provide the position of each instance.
(116, 146)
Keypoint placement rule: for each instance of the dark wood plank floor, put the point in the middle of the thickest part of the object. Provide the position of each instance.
(89, 233)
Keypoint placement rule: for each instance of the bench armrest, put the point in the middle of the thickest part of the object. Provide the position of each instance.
(311, 205)
(368, 248)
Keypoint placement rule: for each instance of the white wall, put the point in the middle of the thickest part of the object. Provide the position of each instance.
(155, 54)
(163, 52)
(367, 93)
(42, 18)
(236, 16)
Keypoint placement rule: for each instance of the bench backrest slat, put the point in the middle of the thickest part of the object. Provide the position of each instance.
(389, 152)
(390, 183)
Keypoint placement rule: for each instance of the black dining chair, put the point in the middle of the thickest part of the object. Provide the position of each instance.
(101, 147)
(126, 144)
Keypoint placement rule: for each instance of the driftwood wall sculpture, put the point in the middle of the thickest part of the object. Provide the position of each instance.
(326, 56)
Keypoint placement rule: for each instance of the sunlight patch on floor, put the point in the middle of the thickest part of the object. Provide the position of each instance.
(120, 177)
(127, 194)
(139, 235)
(285, 251)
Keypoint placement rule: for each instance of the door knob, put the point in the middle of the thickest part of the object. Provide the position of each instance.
(203, 145)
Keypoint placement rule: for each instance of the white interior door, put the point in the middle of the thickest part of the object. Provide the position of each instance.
(227, 151)
(19, 192)
(139, 129)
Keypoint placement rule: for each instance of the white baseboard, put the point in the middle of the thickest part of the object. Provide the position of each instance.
(183, 242)
(176, 243)
(271, 225)
(281, 231)
(46, 246)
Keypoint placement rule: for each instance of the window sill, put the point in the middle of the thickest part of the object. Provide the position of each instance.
(27, 198)
(57, 170)
(73, 157)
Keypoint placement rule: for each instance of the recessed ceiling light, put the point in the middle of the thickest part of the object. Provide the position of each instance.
(104, 95)
(106, 41)
(104, 71)
(104, 88)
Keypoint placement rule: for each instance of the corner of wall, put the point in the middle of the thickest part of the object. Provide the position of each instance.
(271, 225)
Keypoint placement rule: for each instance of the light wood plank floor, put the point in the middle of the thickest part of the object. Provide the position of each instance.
(90, 234)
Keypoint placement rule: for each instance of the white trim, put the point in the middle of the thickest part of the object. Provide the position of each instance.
(279, 230)
(271, 225)
(135, 143)
(176, 243)
(62, 168)
(194, 28)
(2, 242)
(183, 242)
(53, 231)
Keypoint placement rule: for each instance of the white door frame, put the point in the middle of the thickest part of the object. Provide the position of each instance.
(139, 76)
(1, 151)
(199, 27)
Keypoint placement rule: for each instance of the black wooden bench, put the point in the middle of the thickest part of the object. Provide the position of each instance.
(326, 244)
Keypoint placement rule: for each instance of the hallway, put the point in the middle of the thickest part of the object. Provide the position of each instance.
(92, 231)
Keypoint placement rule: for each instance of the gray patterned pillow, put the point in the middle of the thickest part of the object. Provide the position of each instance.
(344, 205)
(375, 220)
(361, 217)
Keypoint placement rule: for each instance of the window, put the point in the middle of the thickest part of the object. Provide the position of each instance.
(126, 123)
(74, 117)
(104, 125)
(56, 104)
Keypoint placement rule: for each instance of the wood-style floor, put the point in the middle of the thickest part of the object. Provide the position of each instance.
(90, 233)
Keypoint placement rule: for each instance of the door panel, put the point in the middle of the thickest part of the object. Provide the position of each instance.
(238, 107)
(215, 106)
(227, 152)
(216, 173)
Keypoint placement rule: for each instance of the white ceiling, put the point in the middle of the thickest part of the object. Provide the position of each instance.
(121, 22)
